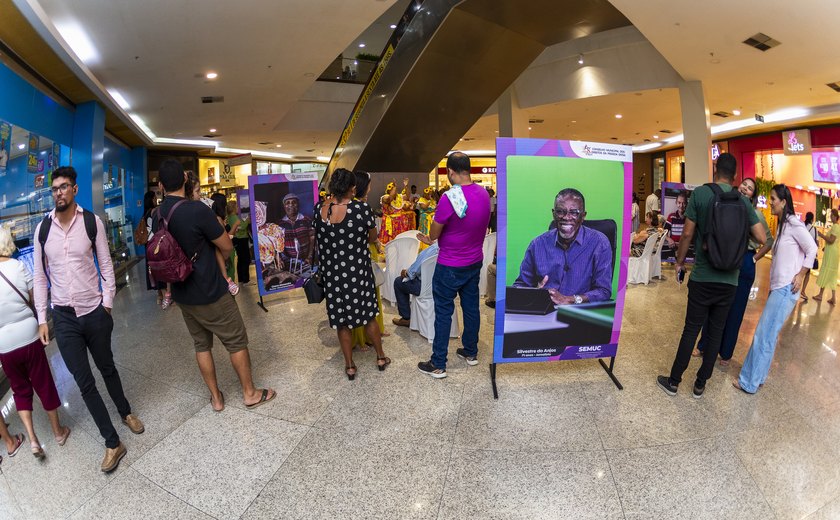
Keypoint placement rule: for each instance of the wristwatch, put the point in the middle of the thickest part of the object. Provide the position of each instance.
(578, 299)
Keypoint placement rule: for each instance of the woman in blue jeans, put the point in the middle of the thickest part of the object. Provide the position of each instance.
(746, 277)
(793, 256)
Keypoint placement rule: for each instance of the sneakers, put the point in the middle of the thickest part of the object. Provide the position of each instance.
(400, 322)
(134, 424)
(166, 302)
(112, 459)
(428, 368)
(471, 360)
(233, 287)
(664, 383)
(698, 391)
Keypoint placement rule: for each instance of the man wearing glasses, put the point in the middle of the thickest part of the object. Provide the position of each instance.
(571, 261)
(82, 298)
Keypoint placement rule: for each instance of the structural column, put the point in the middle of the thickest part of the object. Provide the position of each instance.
(88, 153)
(513, 121)
(697, 133)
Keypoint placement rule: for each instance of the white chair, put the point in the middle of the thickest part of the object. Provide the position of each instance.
(656, 259)
(400, 253)
(489, 248)
(410, 233)
(638, 270)
(423, 305)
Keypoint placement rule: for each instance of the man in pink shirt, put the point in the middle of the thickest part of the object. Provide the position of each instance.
(81, 306)
(460, 226)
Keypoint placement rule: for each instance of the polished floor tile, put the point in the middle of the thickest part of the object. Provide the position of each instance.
(510, 485)
(560, 442)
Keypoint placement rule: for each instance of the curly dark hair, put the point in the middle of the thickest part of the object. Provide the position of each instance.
(341, 182)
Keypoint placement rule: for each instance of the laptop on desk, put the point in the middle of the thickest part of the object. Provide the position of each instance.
(528, 300)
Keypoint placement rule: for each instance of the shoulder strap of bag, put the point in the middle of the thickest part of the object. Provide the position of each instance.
(22, 297)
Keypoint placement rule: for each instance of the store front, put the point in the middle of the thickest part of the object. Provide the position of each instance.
(482, 172)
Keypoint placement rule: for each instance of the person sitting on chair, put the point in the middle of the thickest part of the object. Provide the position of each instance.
(572, 261)
(408, 283)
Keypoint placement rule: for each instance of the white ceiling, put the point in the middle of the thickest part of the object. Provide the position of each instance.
(268, 54)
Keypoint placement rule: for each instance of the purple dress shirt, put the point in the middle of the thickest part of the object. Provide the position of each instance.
(584, 269)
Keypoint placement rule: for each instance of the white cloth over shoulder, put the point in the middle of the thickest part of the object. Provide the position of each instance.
(458, 200)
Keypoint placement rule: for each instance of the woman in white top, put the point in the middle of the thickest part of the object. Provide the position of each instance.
(21, 351)
(793, 256)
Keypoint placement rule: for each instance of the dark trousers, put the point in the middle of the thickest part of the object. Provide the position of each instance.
(447, 283)
(403, 291)
(29, 372)
(736, 312)
(243, 259)
(75, 337)
(706, 301)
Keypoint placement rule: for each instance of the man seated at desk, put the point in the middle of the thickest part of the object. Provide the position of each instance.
(572, 261)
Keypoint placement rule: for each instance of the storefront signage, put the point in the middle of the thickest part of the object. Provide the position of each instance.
(826, 166)
(797, 142)
(32, 161)
(239, 160)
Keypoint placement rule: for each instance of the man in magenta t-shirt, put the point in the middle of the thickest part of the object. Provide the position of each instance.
(460, 226)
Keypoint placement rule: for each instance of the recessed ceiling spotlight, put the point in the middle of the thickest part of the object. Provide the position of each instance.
(279, 146)
(529, 128)
(574, 121)
(362, 45)
(213, 130)
(393, 26)
(656, 137)
(21, 146)
(736, 112)
(211, 75)
(580, 59)
(618, 116)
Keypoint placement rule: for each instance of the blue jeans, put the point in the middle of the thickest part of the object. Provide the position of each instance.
(736, 313)
(447, 283)
(779, 305)
(403, 291)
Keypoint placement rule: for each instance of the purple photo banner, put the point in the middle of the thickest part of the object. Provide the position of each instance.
(564, 210)
(281, 210)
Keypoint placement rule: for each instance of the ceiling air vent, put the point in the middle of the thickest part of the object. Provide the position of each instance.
(834, 86)
(266, 143)
(762, 42)
(666, 131)
(212, 99)
(723, 113)
(211, 136)
(535, 121)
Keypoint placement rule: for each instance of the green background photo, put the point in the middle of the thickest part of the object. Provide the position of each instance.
(532, 184)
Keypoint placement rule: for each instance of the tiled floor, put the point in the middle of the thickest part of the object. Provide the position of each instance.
(561, 441)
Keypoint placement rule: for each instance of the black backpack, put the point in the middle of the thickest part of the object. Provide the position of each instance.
(90, 228)
(727, 229)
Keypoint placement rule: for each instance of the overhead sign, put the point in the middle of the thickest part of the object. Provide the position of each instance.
(239, 160)
(797, 142)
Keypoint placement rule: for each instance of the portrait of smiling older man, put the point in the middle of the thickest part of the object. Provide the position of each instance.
(573, 262)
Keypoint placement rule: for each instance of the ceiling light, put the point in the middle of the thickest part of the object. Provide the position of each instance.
(574, 121)
(21, 146)
(261, 153)
(362, 45)
(211, 75)
(119, 99)
(529, 128)
(736, 112)
(656, 137)
(279, 146)
(580, 59)
(78, 40)
(213, 130)
(393, 26)
(618, 116)
(646, 147)
(322, 158)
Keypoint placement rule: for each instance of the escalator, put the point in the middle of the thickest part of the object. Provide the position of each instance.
(446, 64)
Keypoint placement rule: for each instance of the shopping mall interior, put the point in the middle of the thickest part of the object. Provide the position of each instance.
(289, 92)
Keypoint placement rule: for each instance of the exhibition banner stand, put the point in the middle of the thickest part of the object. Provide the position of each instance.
(564, 221)
(281, 209)
(674, 202)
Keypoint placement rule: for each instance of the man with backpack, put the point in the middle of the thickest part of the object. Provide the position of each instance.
(186, 234)
(718, 221)
(71, 241)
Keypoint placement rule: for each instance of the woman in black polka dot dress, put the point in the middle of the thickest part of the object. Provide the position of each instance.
(343, 230)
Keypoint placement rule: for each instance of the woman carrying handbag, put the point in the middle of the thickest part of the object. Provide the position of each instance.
(22, 353)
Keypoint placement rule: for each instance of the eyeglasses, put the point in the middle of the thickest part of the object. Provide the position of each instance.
(563, 212)
(63, 188)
